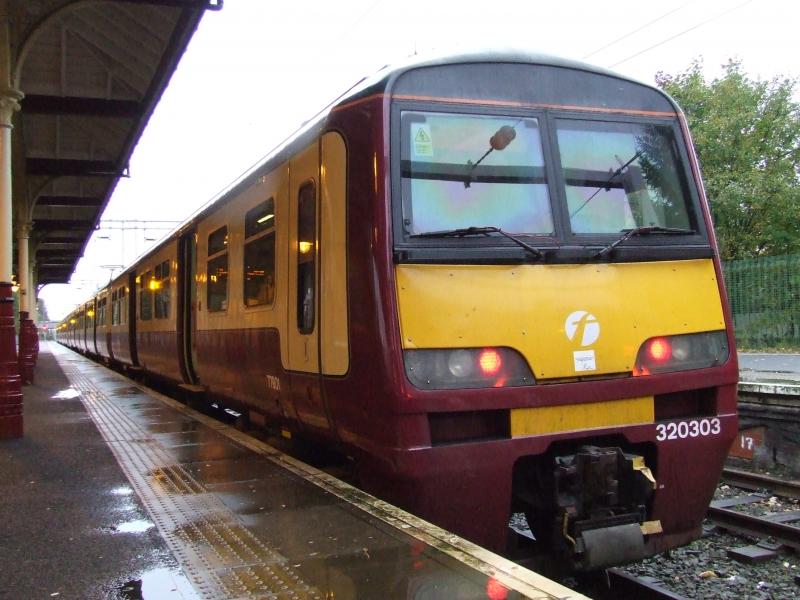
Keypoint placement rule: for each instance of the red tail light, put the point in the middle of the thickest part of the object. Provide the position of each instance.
(659, 350)
(462, 368)
(667, 354)
(490, 361)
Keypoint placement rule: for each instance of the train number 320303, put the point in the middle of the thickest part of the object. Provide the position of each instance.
(688, 429)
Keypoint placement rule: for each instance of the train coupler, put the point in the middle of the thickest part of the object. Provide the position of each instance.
(602, 496)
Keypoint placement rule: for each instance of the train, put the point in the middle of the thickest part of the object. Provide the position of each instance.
(491, 279)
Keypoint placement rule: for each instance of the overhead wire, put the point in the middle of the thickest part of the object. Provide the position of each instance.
(637, 30)
(684, 32)
(363, 16)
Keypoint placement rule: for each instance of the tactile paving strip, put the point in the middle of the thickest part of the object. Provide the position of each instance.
(220, 556)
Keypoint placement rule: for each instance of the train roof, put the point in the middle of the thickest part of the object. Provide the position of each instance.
(384, 78)
(381, 81)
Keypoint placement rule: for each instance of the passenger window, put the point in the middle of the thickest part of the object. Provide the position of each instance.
(217, 285)
(146, 296)
(161, 288)
(115, 308)
(259, 254)
(123, 305)
(306, 256)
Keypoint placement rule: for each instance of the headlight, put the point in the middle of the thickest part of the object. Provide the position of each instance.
(682, 353)
(466, 368)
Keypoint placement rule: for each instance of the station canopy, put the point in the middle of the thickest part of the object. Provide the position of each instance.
(92, 72)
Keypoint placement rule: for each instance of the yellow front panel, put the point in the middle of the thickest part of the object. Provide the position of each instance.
(577, 417)
(566, 320)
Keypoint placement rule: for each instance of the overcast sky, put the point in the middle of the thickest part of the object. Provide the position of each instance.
(253, 73)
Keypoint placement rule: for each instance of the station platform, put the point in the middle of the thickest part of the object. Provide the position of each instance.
(116, 491)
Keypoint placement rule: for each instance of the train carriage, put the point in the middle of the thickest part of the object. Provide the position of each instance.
(491, 279)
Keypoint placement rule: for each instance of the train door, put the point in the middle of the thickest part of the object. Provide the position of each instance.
(187, 305)
(130, 308)
(93, 327)
(334, 342)
(303, 328)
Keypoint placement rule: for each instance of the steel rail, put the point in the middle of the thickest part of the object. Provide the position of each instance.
(756, 481)
(760, 527)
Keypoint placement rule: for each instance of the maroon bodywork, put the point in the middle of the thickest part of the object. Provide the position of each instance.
(236, 362)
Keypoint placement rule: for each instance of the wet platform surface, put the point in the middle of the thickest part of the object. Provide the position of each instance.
(215, 513)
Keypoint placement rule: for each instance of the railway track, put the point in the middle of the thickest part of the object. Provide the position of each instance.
(756, 481)
(780, 526)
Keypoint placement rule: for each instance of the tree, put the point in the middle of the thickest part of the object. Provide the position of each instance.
(43, 317)
(747, 136)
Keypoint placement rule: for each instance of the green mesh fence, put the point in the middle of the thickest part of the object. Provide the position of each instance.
(765, 299)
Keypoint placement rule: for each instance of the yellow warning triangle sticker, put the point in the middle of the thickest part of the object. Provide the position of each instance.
(422, 137)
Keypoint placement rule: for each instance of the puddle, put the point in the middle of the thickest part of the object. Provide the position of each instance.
(122, 491)
(139, 526)
(156, 584)
(67, 394)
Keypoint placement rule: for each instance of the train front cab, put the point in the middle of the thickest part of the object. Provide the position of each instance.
(581, 369)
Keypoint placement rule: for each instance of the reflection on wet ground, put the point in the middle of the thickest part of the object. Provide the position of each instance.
(242, 524)
(157, 584)
(139, 526)
(67, 394)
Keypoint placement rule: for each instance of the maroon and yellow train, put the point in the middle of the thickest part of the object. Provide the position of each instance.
(491, 279)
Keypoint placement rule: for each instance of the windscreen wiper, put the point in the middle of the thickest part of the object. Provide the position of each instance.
(469, 231)
(605, 186)
(644, 230)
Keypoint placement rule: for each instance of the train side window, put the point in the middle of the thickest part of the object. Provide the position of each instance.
(123, 306)
(217, 285)
(101, 312)
(115, 307)
(161, 289)
(146, 296)
(306, 256)
(259, 254)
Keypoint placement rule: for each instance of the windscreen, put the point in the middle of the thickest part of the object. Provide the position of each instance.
(619, 176)
(464, 170)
